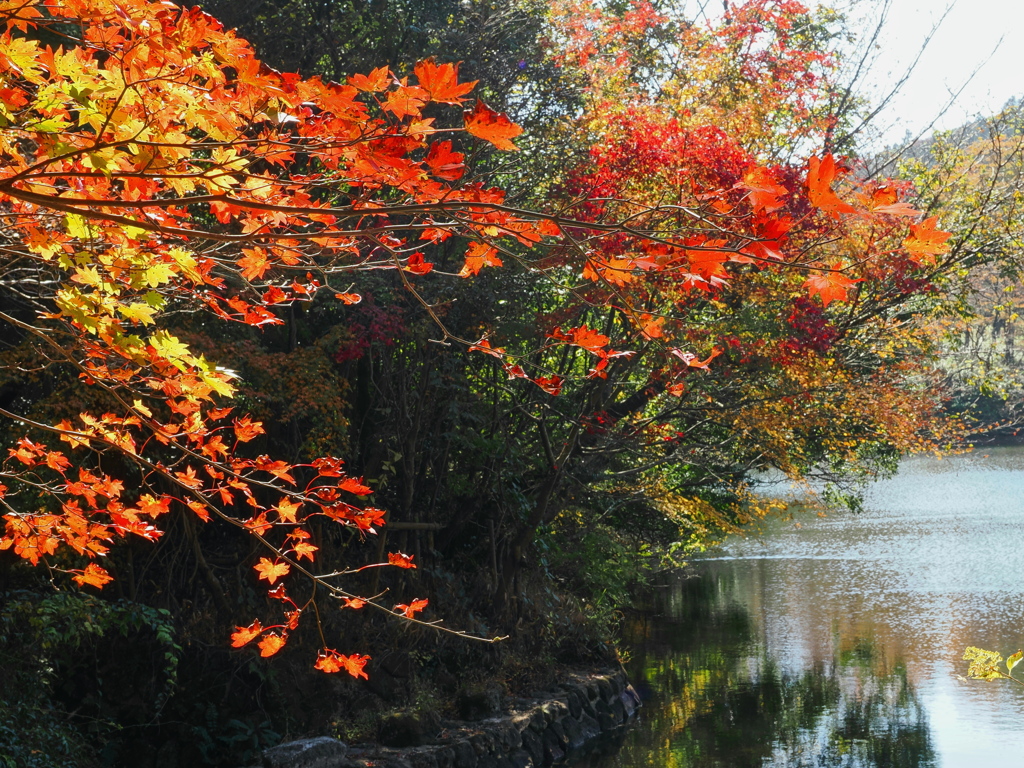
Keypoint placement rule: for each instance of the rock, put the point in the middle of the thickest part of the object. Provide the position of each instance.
(573, 734)
(321, 752)
(521, 759)
(559, 733)
(409, 729)
(532, 745)
(574, 700)
(630, 701)
(483, 743)
(590, 727)
(554, 710)
(465, 755)
(619, 711)
(479, 702)
(553, 752)
(423, 760)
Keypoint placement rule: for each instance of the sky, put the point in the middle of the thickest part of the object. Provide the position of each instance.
(980, 37)
(967, 40)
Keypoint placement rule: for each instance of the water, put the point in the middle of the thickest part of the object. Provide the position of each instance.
(838, 641)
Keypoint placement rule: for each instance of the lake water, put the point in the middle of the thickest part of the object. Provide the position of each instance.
(838, 641)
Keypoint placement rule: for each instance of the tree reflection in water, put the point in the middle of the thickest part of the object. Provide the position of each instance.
(717, 698)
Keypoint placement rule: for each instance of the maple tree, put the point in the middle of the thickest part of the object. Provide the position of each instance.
(153, 164)
(706, 306)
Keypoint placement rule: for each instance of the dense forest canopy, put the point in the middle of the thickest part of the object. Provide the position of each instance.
(467, 311)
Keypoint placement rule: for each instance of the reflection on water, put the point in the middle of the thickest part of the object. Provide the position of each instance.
(836, 641)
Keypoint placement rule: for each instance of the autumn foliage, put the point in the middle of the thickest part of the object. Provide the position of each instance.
(704, 279)
(152, 163)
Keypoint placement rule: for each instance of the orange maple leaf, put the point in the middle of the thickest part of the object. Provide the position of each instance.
(495, 127)
(589, 339)
(332, 661)
(246, 429)
(444, 163)
(201, 510)
(270, 570)
(254, 263)
(410, 610)
(830, 286)
(820, 175)
(708, 263)
(276, 468)
(693, 361)
(278, 593)
(763, 191)
(328, 661)
(926, 241)
(353, 602)
(348, 298)
(354, 486)
(245, 635)
(441, 81)
(401, 561)
(271, 644)
(287, 510)
(258, 524)
(651, 327)
(478, 256)
(377, 80)
(304, 549)
(93, 575)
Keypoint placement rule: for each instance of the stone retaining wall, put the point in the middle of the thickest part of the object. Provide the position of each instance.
(534, 733)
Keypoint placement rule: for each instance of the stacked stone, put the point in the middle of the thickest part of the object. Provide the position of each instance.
(537, 733)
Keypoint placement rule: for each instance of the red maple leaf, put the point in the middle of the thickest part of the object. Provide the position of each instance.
(410, 610)
(444, 163)
(417, 265)
(763, 191)
(550, 384)
(400, 560)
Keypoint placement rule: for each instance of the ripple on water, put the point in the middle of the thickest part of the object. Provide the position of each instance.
(838, 642)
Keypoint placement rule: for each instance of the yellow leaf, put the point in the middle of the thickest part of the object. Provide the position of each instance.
(169, 346)
(138, 312)
(158, 274)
